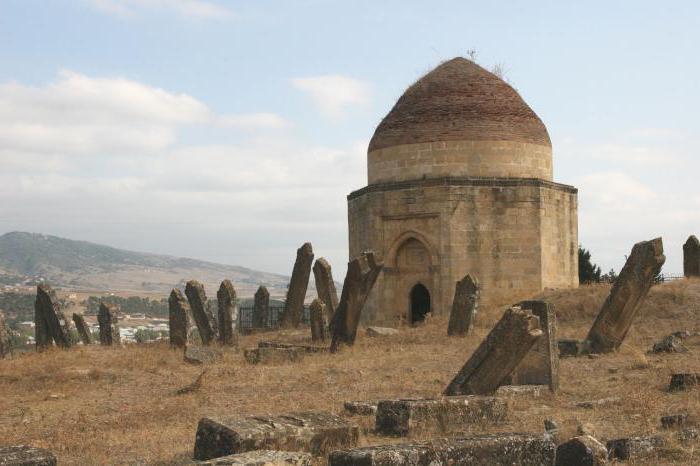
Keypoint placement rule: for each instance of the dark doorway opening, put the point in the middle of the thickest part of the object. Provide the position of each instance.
(420, 303)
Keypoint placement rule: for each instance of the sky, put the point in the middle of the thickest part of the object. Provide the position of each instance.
(232, 131)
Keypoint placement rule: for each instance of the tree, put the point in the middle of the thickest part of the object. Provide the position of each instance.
(588, 272)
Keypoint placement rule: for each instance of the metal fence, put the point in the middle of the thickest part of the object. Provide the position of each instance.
(245, 317)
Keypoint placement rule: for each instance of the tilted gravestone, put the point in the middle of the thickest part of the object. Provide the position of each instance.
(109, 324)
(317, 318)
(464, 307)
(261, 308)
(299, 283)
(540, 366)
(359, 280)
(228, 314)
(82, 328)
(498, 355)
(5, 348)
(178, 318)
(325, 287)
(691, 257)
(626, 296)
(50, 322)
(206, 324)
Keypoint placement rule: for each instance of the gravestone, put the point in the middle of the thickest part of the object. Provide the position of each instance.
(359, 280)
(206, 324)
(626, 296)
(294, 305)
(109, 324)
(325, 287)
(5, 349)
(464, 307)
(541, 364)
(691, 257)
(82, 328)
(178, 319)
(25, 455)
(318, 433)
(273, 355)
(582, 451)
(498, 355)
(228, 314)
(317, 317)
(261, 458)
(50, 322)
(261, 308)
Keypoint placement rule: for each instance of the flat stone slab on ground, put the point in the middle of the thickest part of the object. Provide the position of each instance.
(25, 455)
(261, 458)
(498, 449)
(314, 432)
(361, 408)
(680, 382)
(301, 346)
(201, 355)
(381, 331)
(635, 447)
(271, 355)
(603, 402)
(448, 414)
(522, 391)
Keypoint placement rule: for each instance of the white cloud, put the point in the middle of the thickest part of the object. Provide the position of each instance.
(333, 94)
(187, 8)
(253, 121)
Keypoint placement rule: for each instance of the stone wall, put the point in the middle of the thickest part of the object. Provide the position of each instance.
(460, 158)
(516, 236)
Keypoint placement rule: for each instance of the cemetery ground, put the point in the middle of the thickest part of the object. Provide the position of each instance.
(120, 405)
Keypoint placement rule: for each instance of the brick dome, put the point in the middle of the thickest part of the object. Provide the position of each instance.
(459, 101)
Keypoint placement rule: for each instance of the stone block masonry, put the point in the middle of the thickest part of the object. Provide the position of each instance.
(315, 432)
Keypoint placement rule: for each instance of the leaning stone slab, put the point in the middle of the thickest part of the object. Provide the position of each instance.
(228, 314)
(271, 355)
(494, 450)
(325, 287)
(261, 458)
(109, 325)
(540, 366)
(361, 408)
(680, 382)
(381, 331)
(5, 349)
(464, 307)
(82, 328)
(179, 320)
(206, 324)
(298, 284)
(496, 357)
(691, 257)
(261, 308)
(50, 322)
(314, 432)
(582, 451)
(635, 448)
(442, 415)
(626, 296)
(24, 455)
(359, 280)
(317, 320)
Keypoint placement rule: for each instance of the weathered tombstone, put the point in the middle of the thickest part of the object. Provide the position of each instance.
(540, 366)
(635, 448)
(178, 318)
(318, 327)
(315, 432)
(359, 280)
(684, 381)
(49, 319)
(5, 348)
(82, 328)
(325, 286)
(498, 355)
(294, 305)
(464, 307)
(273, 356)
(261, 458)
(261, 308)
(109, 324)
(25, 455)
(626, 296)
(582, 451)
(495, 450)
(691, 257)
(206, 325)
(375, 332)
(228, 314)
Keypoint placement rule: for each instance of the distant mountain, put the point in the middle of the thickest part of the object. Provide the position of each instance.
(81, 265)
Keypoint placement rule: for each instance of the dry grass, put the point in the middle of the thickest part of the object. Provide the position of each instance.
(120, 406)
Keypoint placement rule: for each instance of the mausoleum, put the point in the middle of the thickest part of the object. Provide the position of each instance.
(460, 181)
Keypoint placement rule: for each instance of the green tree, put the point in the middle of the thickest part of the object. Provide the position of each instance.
(588, 272)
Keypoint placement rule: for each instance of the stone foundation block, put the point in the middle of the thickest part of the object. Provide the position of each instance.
(314, 432)
(634, 447)
(494, 450)
(449, 414)
(24, 455)
(361, 408)
(261, 458)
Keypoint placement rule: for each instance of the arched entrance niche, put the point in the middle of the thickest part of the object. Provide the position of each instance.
(420, 303)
